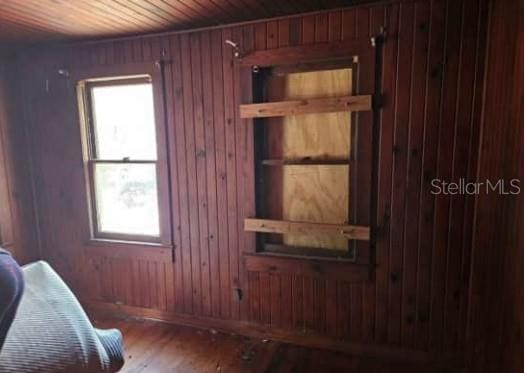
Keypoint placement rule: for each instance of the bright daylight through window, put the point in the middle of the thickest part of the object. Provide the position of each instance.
(122, 158)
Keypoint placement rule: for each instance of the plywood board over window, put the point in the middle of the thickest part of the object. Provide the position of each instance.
(315, 150)
(315, 193)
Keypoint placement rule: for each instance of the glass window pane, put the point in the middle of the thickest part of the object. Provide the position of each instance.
(126, 198)
(124, 121)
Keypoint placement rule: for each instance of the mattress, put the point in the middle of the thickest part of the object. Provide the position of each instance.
(52, 333)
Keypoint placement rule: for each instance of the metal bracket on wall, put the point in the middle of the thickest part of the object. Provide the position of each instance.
(235, 46)
(63, 72)
(379, 38)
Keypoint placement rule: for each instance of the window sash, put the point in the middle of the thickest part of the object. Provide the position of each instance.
(97, 232)
(89, 108)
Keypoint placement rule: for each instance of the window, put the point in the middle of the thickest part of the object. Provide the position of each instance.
(121, 157)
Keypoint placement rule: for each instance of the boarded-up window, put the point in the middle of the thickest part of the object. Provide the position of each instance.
(305, 160)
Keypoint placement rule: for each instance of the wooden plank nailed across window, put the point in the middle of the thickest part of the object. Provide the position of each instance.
(305, 162)
(351, 232)
(308, 106)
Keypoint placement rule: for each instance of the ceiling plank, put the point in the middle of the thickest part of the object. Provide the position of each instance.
(66, 14)
(50, 20)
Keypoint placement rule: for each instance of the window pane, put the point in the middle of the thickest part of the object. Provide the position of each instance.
(124, 121)
(126, 198)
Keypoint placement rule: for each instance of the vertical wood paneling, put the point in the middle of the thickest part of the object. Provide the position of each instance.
(321, 28)
(192, 180)
(245, 161)
(308, 301)
(430, 146)
(272, 34)
(495, 322)
(295, 31)
(200, 155)
(211, 175)
(399, 168)
(6, 213)
(308, 29)
(230, 115)
(182, 181)
(429, 128)
(448, 120)
(469, 219)
(220, 154)
(334, 23)
(174, 282)
(389, 84)
(463, 130)
(284, 32)
(19, 231)
(297, 303)
(414, 163)
(275, 300)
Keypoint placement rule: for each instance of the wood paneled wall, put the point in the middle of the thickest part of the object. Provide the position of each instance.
(17, 218)
(495, 325)
(432, 83)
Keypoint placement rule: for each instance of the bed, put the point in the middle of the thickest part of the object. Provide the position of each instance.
(52, 333)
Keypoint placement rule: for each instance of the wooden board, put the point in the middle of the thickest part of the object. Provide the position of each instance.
(306, 229)
(316, 194)
(296, 107)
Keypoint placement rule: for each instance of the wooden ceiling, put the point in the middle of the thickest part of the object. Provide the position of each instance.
(46, 20)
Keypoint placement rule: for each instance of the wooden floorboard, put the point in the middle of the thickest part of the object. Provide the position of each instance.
(153, 346)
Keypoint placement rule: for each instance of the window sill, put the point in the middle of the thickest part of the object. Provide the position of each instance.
(324, 268)
(118, 249)
(108, 241)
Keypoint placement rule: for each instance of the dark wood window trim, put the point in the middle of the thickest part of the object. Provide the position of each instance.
(362, 55)
(126, 74)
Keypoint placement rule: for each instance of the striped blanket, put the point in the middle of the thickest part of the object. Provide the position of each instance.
(51, 332)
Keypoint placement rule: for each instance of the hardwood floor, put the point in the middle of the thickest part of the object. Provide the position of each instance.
(153, 346)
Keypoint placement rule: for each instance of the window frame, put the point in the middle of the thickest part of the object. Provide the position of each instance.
(112, 76)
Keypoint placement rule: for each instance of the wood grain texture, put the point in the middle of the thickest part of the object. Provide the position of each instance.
(30, 20)
(317, 194)
(307, 228)
(161, 347)
(306, 106)
(495, 319)
(428, 129)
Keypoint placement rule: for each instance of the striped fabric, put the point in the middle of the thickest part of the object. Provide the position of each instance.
(51, 332)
